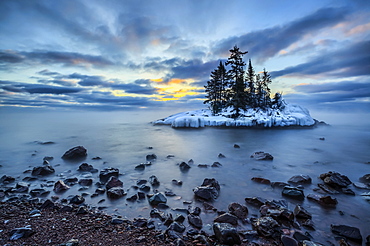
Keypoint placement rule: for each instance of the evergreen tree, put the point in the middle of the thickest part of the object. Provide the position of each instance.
(237, 95)
(250, 83)
(266, 80)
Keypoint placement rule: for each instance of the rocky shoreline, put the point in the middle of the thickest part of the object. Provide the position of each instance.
(30, 217)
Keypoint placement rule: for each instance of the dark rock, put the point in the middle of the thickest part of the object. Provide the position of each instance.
(6, 179)
(39, 192)
(361, 186)
(48, 158)
(162, 206)
(47, 204)
(74, 153)
(177, 227)
(267, 227)
(144, 188)
(211, 183)
(157, 198)
(96, 158)
(179, 242)
(84, 167)
(309, 224)
(300, 236)
(100, 191)
(349, 232)
(236, 146)
(255, 201)
(141, 181)
(66, 208)
(293, 193)
(203, 165)
(141, 195)
(153, 180)
(206, 193)
(82, 210)
(173, 235)
(335, 180)
(77, 199)
(365, 179)
(179, 218)
(279, 184)
(196, 211)
(288, 241)
(261, 180)
(71, 181)
(195, 221)
(151, 157)
(106, 173)
(42, 170)
(209, 207)
(140, 167)
(191, 162)
(117, 221)
(226, 234)
(113, 182)
(227, 218)
(216, 164)
(155, 213)
(238, 210)
(116, 192)
(85, 182)
(221, 156)
(60, 186)
(328, 189)
(302, 213)
(348, 191)
(132, 198)
(177, 182)
(22, 232)
(22, 187)
(184, 166)
(300, 179)
(140, 222)
(169, 193)
(327, 201)
(260, 155)
(28, 179)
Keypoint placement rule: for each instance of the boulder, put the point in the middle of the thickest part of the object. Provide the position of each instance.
(195, 221)
(84, 167)
(116, 192)
(238, 210)
(227, 218)
(260, 155)
(206, 193)
(300, 179)
(211, 183)
(157, 198)
(42, 170)
(60, 186)
(335, 180)
(74, 153)
(349, 232)
(113, 182)
(293, 192)
(266, 226)
(326, 201)
(226, 234)
(108, 172)
(5, 179)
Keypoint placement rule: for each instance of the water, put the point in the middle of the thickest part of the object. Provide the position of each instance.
(122, 140)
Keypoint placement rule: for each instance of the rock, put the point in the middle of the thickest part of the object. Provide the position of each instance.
(267, 227)
(328, 189)
(195, 221)
(71, 242)
(196, 211)
(116, 192)
(300, 237)
(151, 157)
(21, 232)
(177, 227)
(74, 153)
(169, 193)
(48, 158)
(226, 234)
(261, 180)
(209, 207)
(211, 183)
(179, 242)
(39, 192)
(238, 210)
(82, 210)
(42, 170)
(113, 182)
(309, 224)
(84, 167)
(302, 213)
(177, 182)
(361, 186)
(132, 198)
(203, 165)
(141, 181)
(293, 193)
(279, 184)
(157, 198)
(348, 191)
(221, 156)
(71, 181)
(236, 146)
(206, 193)
(179, 218)
(216, 164)
(349, 232)
(60, 186)
(184, 166)
(255, 201)
(260, 155)
(5, 179)
(47, 204)
(365, 179)
(85, 182)
(288, 241)
(300, 179)
(140, 167)
(227, 218)
(77, 199)
(106, 173)
(153, 180)
(155, 213)
(144, 188)
(22, 187)
(335, 180)
(140, 222)
(327, 201)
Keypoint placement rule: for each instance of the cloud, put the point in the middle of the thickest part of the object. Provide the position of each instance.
(266, 43)
(353, 60)
(38, 88)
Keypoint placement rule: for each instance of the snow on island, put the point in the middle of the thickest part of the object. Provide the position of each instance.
(289, 115)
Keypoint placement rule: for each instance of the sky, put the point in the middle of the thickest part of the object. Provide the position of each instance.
(117, 55)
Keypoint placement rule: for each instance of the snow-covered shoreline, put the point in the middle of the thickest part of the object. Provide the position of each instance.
(290, 115)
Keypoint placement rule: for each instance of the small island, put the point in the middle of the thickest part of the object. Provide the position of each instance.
(238, 98)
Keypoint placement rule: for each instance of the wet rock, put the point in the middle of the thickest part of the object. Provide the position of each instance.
(216, 164)
(348, 191)
(151, 157)
(261, 180)
(116, 192)
(96, 158)
(255, 201)
(77, 199)
(221, 156)
(22, 187)
(84, 167)
(310, 243)
(5, 179)
(22, 232)
(260, 155)
(179, 218)
(349, 232)
(226, 234)
(48, 158)
(141, 181)
(236, 146)
(361, 186)
(227, 218)
(267, 227)
(177, 227)
(309, 224)
(106, 173)
(169, 193)
(279, 184)
(184, 166)
(203, 165)
(301, 213)
(177, 182)
(300, 179)
(196, 211)
(288, 241)
(85, 182)
(327, 201)
(140, 167)
(238, 210)
(82, 210)
(42, 170)
(195, 221)
(365, 179)
(179, 242)
(300, 237)
(144, 188)
(293, 192)
(132, 198)
(113, 182)
(155, 213)
(328, 189)
(100, 191)
(209, 207)
(153, 180)
(74, 153)
(335, 180)
(71, 181)
(140, 222)
(60, 186)
(211, 182)
(206, 193)
(39, 192)
(157, 198)
(66, 208)
(47, 204)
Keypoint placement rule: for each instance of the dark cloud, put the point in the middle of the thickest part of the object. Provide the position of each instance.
(267, 43)
(353, 60)
(39, 88)
(344, 86)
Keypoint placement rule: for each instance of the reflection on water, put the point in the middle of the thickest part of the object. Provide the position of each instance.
(123, 139)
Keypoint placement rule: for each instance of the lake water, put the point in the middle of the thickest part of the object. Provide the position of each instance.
(122, 140)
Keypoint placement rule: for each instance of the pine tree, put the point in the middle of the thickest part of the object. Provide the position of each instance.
(238, 96)
(250, 80)
(266, 80)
